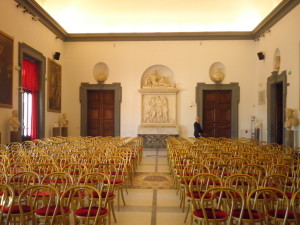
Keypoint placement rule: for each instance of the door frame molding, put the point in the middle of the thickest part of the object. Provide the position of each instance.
(25, 51)
(274, 79)
(84, 88)
(235, 99)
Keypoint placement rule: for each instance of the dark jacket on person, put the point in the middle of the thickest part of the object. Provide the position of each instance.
(197, 129)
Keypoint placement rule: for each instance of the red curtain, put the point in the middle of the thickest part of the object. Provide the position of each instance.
(30, 82)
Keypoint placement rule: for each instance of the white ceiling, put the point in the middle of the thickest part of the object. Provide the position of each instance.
(139, 16)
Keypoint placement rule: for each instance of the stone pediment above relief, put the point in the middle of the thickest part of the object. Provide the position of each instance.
(156, 80)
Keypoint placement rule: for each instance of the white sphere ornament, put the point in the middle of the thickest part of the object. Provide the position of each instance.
(101, 72)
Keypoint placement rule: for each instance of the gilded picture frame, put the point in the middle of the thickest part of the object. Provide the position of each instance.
(6, 70)
(54, 86)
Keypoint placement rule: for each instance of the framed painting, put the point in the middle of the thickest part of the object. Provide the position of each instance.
(54, 86)
(6, 70)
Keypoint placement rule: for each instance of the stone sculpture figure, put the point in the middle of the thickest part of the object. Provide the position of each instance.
(218, 76)
(291, 120)
(154, 80)
(277, 63)
(14, 120)
(63, 120)
(158, 110)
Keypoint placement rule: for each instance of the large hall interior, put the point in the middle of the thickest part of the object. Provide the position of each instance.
(82, 82)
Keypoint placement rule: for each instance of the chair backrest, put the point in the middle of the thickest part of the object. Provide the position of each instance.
(203, 181)
(59, 180)
(6, 196)
(98, 180)
(220, 203)
(255, 170)
(269, 203)
(22, 180)
(43, 200)
(242, 182)
(85, 202)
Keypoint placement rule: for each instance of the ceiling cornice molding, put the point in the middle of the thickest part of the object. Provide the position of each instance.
(44, 17)
(279, 12)
(172, 36)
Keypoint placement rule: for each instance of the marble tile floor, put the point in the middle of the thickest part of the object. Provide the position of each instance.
(152, 205)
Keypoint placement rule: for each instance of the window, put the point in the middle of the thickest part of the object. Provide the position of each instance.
(27, 112)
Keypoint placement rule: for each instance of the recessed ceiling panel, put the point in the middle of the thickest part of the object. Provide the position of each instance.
(139, 16)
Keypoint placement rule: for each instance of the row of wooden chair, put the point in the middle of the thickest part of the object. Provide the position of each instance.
(69, 161)
(232, 164)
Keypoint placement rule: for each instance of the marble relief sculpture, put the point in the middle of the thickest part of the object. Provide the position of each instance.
(154, 80)
(158, 110)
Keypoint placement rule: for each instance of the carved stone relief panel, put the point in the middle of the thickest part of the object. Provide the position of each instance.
(158, 109)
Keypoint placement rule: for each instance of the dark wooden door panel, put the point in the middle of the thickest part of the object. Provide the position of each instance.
(217, 113)
(100, 121)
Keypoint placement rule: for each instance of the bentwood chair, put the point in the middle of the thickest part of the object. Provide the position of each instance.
(266, 207)
(6, 200)
(198, 185)
(86, 205)
(218, 205)
(40, 204)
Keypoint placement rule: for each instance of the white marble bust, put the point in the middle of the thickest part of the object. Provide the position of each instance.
(14, 121)
(291, 120)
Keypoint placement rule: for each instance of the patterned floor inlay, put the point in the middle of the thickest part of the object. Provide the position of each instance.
(153, 181)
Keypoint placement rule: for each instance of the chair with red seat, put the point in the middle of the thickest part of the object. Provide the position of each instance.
(59, 180)
(44, 168)
(76, 170)
(87, 208)
(296, 206)
(254, 170)
(110, 171)
(22, 180)
(266, 207)
(40, 204)
(242, 182)
(199, 184)
(6, 196)
(213, 208)
(188, 173)
(282, 182)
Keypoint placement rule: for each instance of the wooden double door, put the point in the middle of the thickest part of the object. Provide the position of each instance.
(216, 119)
(100, 112)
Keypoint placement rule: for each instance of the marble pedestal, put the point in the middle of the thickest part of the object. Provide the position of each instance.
(289, 138)
(64, 131)
(55, 132)
(14, 136)
(155, 137)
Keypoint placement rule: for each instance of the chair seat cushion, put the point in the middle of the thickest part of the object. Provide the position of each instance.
(42, 194)
(281, 214)
(93, 211)
(103, 194)
(16, 210)
(76, 194)
(51, 209)
(219, 214)
(117, 181)
(255, 214)
(197, 194)
(89, 181)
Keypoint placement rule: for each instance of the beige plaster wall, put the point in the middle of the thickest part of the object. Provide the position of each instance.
(22, 28)
(285, 36)
(189, 61)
